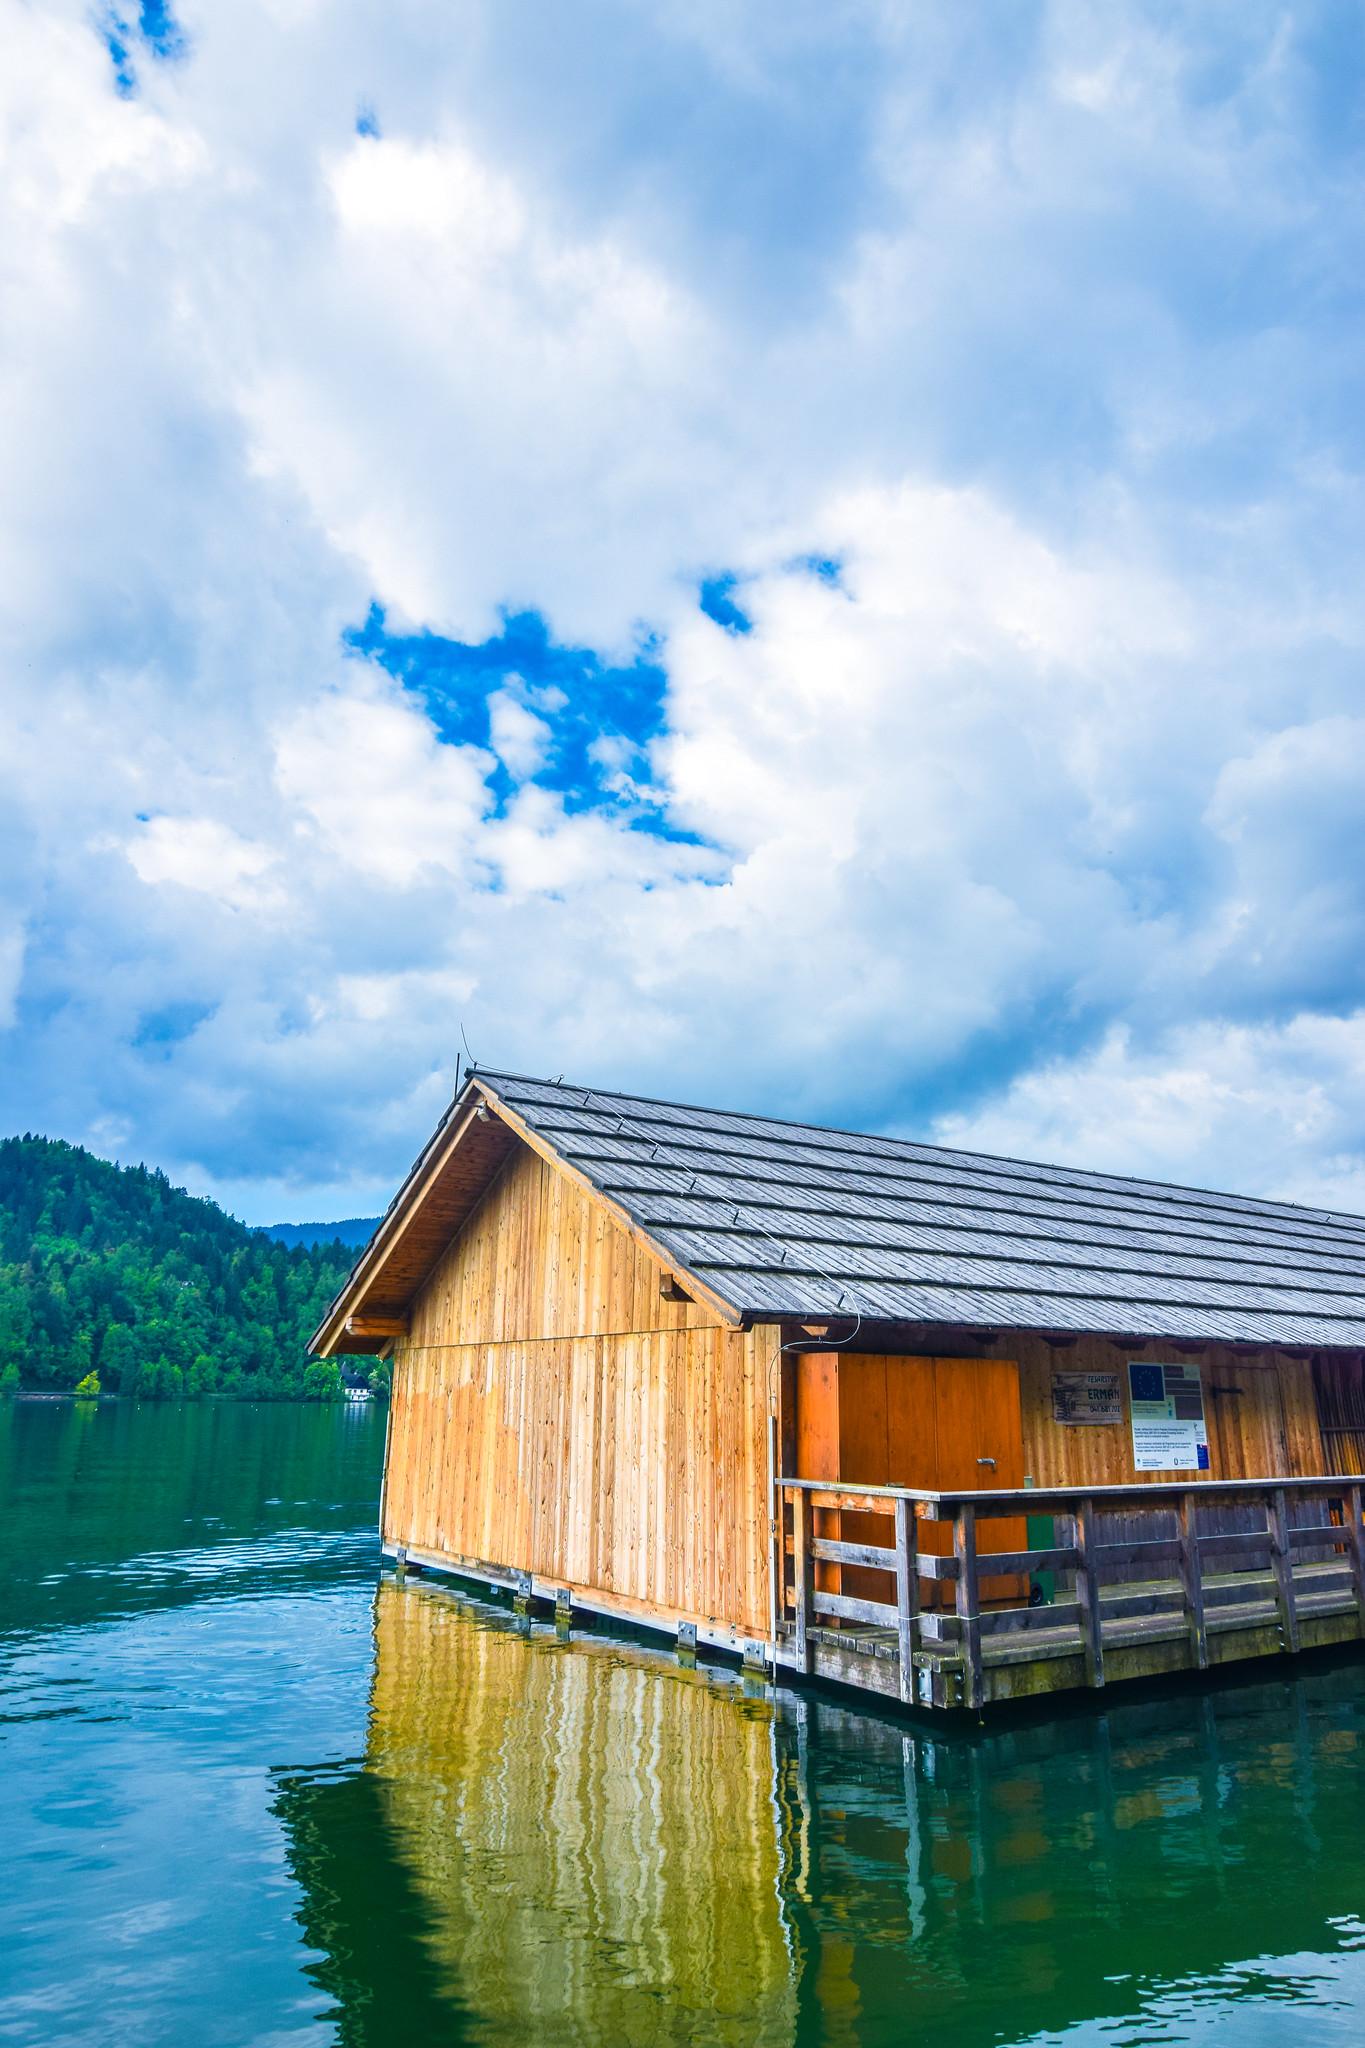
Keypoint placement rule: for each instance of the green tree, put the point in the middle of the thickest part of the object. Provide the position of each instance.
(88, 1389)
(146, 1382)
(199, 1378)
(322, 1380)
(119, 1357)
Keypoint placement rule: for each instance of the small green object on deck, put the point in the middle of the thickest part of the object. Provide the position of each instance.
(1042, 1535)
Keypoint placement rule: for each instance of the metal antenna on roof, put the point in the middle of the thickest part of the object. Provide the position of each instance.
(470, 1061)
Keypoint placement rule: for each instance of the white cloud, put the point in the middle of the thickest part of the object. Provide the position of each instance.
(1273, 1111)
(441, 327)
(1046, 338)
(204, 856)
(519, 739)
(366, 777)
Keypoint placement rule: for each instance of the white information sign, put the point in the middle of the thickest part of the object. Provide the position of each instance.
(1087, 1397)
(1167, 1404)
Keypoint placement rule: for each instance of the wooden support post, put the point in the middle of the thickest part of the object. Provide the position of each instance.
(1088, 1595)
(1192, 1582)
(907, 1595)
(1282, 1564)
(968, 1604)
(1355, 1538)
(803, 1570)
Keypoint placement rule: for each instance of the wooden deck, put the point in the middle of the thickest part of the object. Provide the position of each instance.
(1256, 1568)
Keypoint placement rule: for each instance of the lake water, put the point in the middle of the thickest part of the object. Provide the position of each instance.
(252, 1793)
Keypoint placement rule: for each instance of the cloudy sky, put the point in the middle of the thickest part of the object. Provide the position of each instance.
(803, 556)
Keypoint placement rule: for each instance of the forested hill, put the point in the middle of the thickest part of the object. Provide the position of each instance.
(112, 1270)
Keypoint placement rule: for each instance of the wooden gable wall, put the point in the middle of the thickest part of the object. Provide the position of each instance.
(540, 1258)
(553, 1413)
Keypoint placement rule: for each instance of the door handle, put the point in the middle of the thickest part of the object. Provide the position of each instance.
(987, 1461)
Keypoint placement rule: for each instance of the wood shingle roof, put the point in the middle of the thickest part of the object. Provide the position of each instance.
(782, 1219)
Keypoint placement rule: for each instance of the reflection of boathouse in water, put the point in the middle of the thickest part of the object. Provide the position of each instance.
(943, 1427)
(581, 1840)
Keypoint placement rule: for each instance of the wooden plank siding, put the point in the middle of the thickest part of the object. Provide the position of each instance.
(1269, 1429)
(539, 1258)
(554, 1414)
(1260, 1410)
(1340, 1392)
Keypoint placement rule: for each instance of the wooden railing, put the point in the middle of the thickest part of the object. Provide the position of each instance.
(1085, 1559)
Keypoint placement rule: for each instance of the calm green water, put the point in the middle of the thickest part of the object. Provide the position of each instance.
(249, 1793)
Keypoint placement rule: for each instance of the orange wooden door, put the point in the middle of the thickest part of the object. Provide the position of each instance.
(850, 1429)
(864, 1419)
(863, 1462)
(980, 1443)
(818, 1454)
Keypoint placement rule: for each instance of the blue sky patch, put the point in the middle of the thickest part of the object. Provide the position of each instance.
(154, 30)
(598, 719)
(718, 602)
(825, 568)
(171, 1024)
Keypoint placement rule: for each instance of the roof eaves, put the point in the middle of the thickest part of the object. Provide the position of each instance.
(370, 1260)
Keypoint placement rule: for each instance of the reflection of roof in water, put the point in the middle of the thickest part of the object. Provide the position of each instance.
(584, 1842)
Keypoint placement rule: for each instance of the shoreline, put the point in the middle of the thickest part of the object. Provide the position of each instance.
(69, 1396)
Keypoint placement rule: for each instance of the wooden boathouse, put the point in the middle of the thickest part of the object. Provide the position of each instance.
(947, 1428)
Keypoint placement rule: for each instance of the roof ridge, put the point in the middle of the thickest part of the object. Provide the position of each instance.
(1083, 1174)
